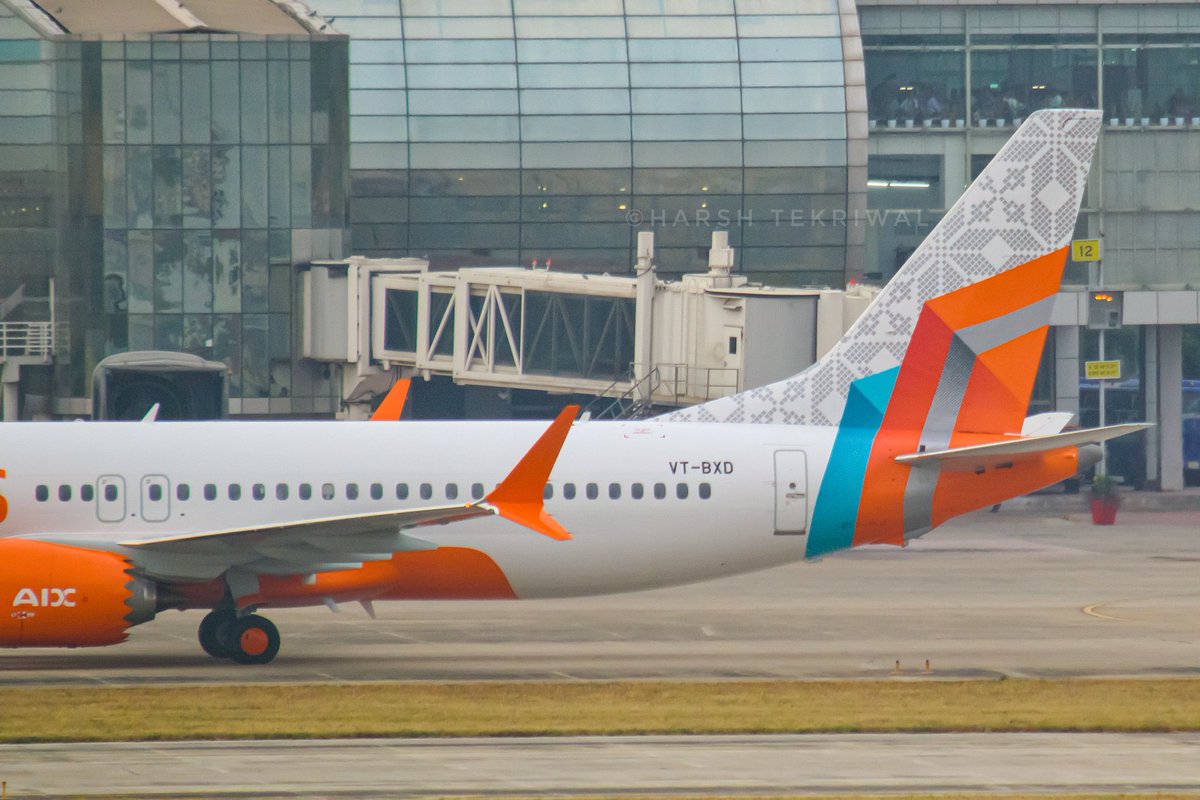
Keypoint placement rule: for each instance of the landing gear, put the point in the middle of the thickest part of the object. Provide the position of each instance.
(247, 640)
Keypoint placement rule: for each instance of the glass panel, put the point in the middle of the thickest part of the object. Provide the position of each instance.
(226, 187)
(279, 190)
(278, 113)
(140, 170)
(197, 334)
(301, 103)
(302, 190)
(168, 271)
(113, 111)
(255, 361)
(167, 108)
(254, 101)
(115, 202)
(168, 196)
(137, 102)
(227, 347)
(168, 332)
(1152, 82)
(197, 187)
(254, 187)
(141, 272)
(227, 267)
(254, 270)
(226, 109)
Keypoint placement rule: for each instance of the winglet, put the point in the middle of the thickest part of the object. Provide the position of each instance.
(393, 404)
(519, 496)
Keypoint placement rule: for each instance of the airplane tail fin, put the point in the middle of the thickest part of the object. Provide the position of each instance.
(977, 291)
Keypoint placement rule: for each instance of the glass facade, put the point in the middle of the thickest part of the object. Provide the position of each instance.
(507, 132)
(169, 184)
(959, 79)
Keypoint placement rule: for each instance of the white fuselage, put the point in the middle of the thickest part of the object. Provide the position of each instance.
(727, 523)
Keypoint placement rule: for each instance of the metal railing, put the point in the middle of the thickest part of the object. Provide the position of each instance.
(27, 339)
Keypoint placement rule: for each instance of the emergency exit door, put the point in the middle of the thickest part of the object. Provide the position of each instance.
(791, 492)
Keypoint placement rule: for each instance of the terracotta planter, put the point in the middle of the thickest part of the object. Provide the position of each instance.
(1104, 510)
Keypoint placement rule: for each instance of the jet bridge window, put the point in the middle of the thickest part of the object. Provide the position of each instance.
(401, 491)
(327, 491)
(64, 493)
(477, 491)
(426, 491)
(281, 491)
(182, 491)
(42, 493)
(210, 491)
(376, 491)
(660, 491)
(592, 490)
(305, 491)
(451, 491)
(259, 491)
(681, 491)
(705, 491)
(637, 491)
(87, 493)
(568, 491)
(351, 491)
(235, 491)
(614, 491)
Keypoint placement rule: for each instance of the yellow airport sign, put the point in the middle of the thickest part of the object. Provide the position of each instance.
(1085, 250)
(1102, 370)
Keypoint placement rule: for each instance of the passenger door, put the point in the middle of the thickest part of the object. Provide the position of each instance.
(110, 498)
(156, 498)
(791, 492)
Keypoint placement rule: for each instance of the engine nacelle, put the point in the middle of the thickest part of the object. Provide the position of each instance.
(53, 595)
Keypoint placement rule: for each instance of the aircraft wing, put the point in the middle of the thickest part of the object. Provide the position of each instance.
(302, 547)
(994, 454)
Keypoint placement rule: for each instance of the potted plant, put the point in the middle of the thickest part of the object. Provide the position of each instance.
(1105, 499)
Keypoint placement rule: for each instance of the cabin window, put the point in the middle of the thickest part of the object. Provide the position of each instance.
(351, 491)
(182, 492)
(42, 493)
(154, 492)
(568, 491)
(64, 493)
(681, 491)
(111, 492)
(87, 493)
(305, 491)
(705, 491)
(451, 491)
(548, 492)
(637, 491)
(210, 491)
(235, 491)
(660, 491)
(614, 491)
(426, 491)
(477, 491)
(592, 490)
(327, 491)
(259, 491)
(376, 491)
(401, 491)
(281, 491)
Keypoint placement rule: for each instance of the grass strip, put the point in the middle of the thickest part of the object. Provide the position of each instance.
(291, 711)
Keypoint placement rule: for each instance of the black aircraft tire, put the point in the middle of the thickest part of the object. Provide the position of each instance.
(210, 630)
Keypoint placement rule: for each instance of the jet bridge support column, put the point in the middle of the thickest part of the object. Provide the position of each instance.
(643, 314)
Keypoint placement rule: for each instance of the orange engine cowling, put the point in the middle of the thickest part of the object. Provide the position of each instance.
(54, 595)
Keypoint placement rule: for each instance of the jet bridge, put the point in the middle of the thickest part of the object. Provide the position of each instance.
(641, 341)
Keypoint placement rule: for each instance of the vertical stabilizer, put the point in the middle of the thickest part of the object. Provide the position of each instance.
(1022, 208)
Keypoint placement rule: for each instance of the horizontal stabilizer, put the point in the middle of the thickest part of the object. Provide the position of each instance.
(983, 456)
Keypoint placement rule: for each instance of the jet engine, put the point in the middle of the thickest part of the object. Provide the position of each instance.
(54, 595)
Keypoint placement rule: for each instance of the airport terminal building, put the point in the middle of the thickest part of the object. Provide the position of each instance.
(826, 137)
